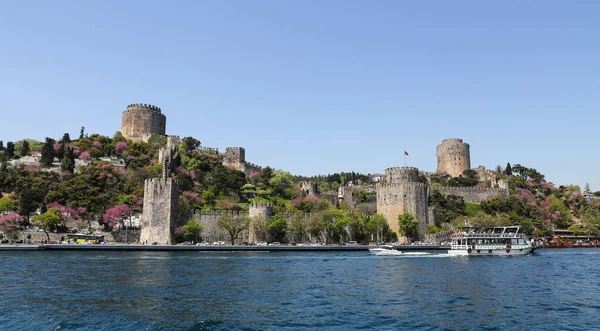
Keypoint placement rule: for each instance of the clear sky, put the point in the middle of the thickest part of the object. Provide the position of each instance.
(316, 87)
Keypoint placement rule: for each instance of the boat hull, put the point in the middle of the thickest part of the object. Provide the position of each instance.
(491, 252)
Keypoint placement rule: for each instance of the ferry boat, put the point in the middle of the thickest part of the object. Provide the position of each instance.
(490, 241)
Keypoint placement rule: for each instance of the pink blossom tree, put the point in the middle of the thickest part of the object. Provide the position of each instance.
(11, 222)
(85, 155)
(71, 217)
(121, 147)
(117, 215)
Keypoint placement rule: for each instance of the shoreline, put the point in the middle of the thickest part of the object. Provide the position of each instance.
(225, 248)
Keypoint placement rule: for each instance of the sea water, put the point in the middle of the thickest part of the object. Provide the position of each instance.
(552, 289)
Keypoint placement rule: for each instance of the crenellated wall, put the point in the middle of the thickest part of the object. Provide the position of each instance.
(140, 121)
(472, 194)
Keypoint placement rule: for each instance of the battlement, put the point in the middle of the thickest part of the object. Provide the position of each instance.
(401, 169)
(222, 212)
(261, 205)
(396, 185)
(452, 142)
(468, 189)
(232, 149)
(142, 106)
(208, 150)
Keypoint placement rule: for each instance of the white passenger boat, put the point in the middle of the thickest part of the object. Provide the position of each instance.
(490, 241)
(385, 250)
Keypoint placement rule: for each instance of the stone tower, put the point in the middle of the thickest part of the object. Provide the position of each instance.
(453, 157)
(309, 188)
(259, 212)
(169, 152)
(235, 157)
(159, 218)
(401, 192)
(140, 121)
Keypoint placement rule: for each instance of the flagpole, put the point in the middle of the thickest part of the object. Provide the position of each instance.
(405, 159)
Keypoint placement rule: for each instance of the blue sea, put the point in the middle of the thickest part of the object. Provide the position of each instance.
(553, 289)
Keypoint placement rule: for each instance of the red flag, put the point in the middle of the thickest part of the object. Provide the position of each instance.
(406, 153)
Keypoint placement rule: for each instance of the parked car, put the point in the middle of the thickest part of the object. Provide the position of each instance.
(351, 243)
(204, 243)
(276, 243)
(261, 243)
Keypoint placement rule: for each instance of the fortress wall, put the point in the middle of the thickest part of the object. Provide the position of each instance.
(473, 194)
(212, 232)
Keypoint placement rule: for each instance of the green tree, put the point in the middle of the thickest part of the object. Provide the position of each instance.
(47, 221)
(27, 203)
(378, 226)
(1, 145)
(9, 152)
(68, 161)
(508, 170)
(447, 208)
(192, 230)
(297, 227)
(263, 179)
(190, 143)
(323, 224)
(66, 139)
(208, 198)
(82, 132)
(277, 227)
(6, 205)
(234, 225)
(282, 183)
(48, 153)
(407, 226)
(24, 150)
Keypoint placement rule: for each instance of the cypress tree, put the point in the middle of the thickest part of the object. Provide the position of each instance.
(81, 133)
(68, 161)
(508, 170)
(9, 152)
(24, 150)
(48, 152)
(1, 145)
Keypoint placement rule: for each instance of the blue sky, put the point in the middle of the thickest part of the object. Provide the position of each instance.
(317, 87)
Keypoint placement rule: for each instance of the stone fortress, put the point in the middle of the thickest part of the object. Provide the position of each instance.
(401, 190)
(140, 121)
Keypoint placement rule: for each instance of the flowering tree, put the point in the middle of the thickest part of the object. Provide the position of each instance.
(11, 222)
(70, 217)
(85, 155)
(120, 147)
(117, 216)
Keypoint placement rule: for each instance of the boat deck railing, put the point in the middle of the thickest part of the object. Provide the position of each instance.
(489, 246)
(486, 235)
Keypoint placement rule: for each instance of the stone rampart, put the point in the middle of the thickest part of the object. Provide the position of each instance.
(472, 194)
(212, 232)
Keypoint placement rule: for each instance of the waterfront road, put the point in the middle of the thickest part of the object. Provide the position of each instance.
(223, 248)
